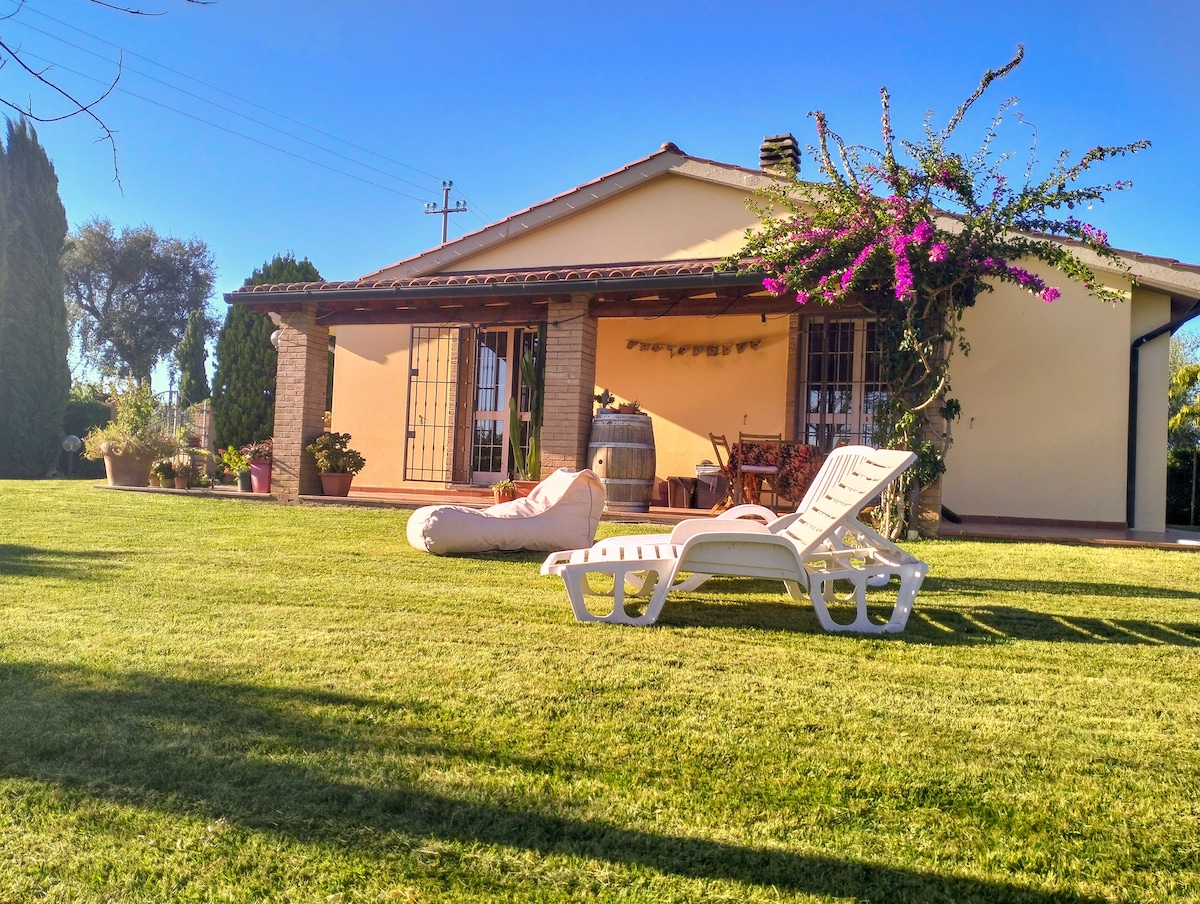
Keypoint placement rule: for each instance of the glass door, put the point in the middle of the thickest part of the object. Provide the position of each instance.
(497, 381)
(493, 388)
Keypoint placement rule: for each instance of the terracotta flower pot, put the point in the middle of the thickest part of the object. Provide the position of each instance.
(181, 483)
(336, 484)
(126, 470)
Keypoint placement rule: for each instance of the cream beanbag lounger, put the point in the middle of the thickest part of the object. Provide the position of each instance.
(562, 511)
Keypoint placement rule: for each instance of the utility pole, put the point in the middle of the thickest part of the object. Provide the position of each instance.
(445, 210)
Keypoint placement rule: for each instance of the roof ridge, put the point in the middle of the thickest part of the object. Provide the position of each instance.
(438, 256)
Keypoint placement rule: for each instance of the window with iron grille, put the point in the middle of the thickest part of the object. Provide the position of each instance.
(839, 381)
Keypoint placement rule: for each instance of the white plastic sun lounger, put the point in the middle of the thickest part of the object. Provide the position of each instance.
(822, 544)
(837, 464)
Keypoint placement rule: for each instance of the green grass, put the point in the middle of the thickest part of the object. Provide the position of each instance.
(217, 700)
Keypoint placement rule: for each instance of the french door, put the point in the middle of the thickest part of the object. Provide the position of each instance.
(493, 387)
(497, 380)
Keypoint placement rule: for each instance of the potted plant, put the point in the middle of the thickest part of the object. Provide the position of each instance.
(133, 440)
(258, 455)
(238, 467)
(163, 472)
(185, 473)
(604, 399)
(629, 408)
(504, 491)
(336, 461)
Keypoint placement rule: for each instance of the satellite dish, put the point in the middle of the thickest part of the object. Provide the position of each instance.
(72, 444)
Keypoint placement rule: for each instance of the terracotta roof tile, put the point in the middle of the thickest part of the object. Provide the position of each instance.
(494, 277)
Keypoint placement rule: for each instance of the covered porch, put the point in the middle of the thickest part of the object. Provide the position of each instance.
(570, 301)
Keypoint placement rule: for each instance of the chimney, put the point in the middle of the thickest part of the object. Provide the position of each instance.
(779, 154)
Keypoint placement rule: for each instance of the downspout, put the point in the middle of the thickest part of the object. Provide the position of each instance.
(1134, 357)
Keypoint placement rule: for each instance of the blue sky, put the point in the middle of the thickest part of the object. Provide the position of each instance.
(518, 102)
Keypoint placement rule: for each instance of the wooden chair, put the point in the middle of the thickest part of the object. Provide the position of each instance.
(721, 451)
(749, 477)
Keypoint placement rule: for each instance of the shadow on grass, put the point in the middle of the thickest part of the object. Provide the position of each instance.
(30, 561)
(935, 622)
(233, 751)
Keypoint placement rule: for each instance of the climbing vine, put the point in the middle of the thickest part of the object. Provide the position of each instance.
(912, 233)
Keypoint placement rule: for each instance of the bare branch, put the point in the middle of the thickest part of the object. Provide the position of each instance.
(77, 106)
(126, 9)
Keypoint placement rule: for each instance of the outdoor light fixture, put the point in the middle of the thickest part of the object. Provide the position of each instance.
(71, 445)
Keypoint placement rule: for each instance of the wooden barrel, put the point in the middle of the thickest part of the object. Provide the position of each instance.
(621, 452)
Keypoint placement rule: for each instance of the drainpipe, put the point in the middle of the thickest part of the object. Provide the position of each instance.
(1134, 356)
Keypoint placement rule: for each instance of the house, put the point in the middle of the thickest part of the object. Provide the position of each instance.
(1064, 404)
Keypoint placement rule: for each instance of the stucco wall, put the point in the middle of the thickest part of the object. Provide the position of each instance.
(1044, 393)
(1151, 310)
(688, 395)
(671, 218)
(370, 398)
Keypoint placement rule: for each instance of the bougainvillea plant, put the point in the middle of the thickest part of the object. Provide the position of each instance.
(912, 238)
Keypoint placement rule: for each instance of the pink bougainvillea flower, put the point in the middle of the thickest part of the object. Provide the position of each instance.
(922, 233)
(1099, 236)
(938, 252)
(774, 286)
(1050, 294)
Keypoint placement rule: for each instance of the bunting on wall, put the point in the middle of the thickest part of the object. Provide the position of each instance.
(694, 350)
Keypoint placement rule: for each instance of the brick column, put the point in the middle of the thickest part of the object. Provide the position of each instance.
(570, 384)
(300, 386)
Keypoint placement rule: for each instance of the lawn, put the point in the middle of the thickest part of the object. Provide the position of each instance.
(221, 700)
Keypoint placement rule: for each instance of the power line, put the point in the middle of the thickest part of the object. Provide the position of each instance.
(221, 107)
(468, 205)
(230, 131)
(222, 91)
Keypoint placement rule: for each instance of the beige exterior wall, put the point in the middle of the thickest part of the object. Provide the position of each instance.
(670, 218)
(370, 398)
(689, 395)
(1151, 310)
(1044, 393)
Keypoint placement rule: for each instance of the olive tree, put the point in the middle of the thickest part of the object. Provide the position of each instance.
(130, 295)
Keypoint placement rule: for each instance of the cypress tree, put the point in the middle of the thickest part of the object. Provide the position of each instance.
(191, 356)
(244, 385)
(34, 375)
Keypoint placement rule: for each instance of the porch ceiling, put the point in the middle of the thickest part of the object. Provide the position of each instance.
(653, 289)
